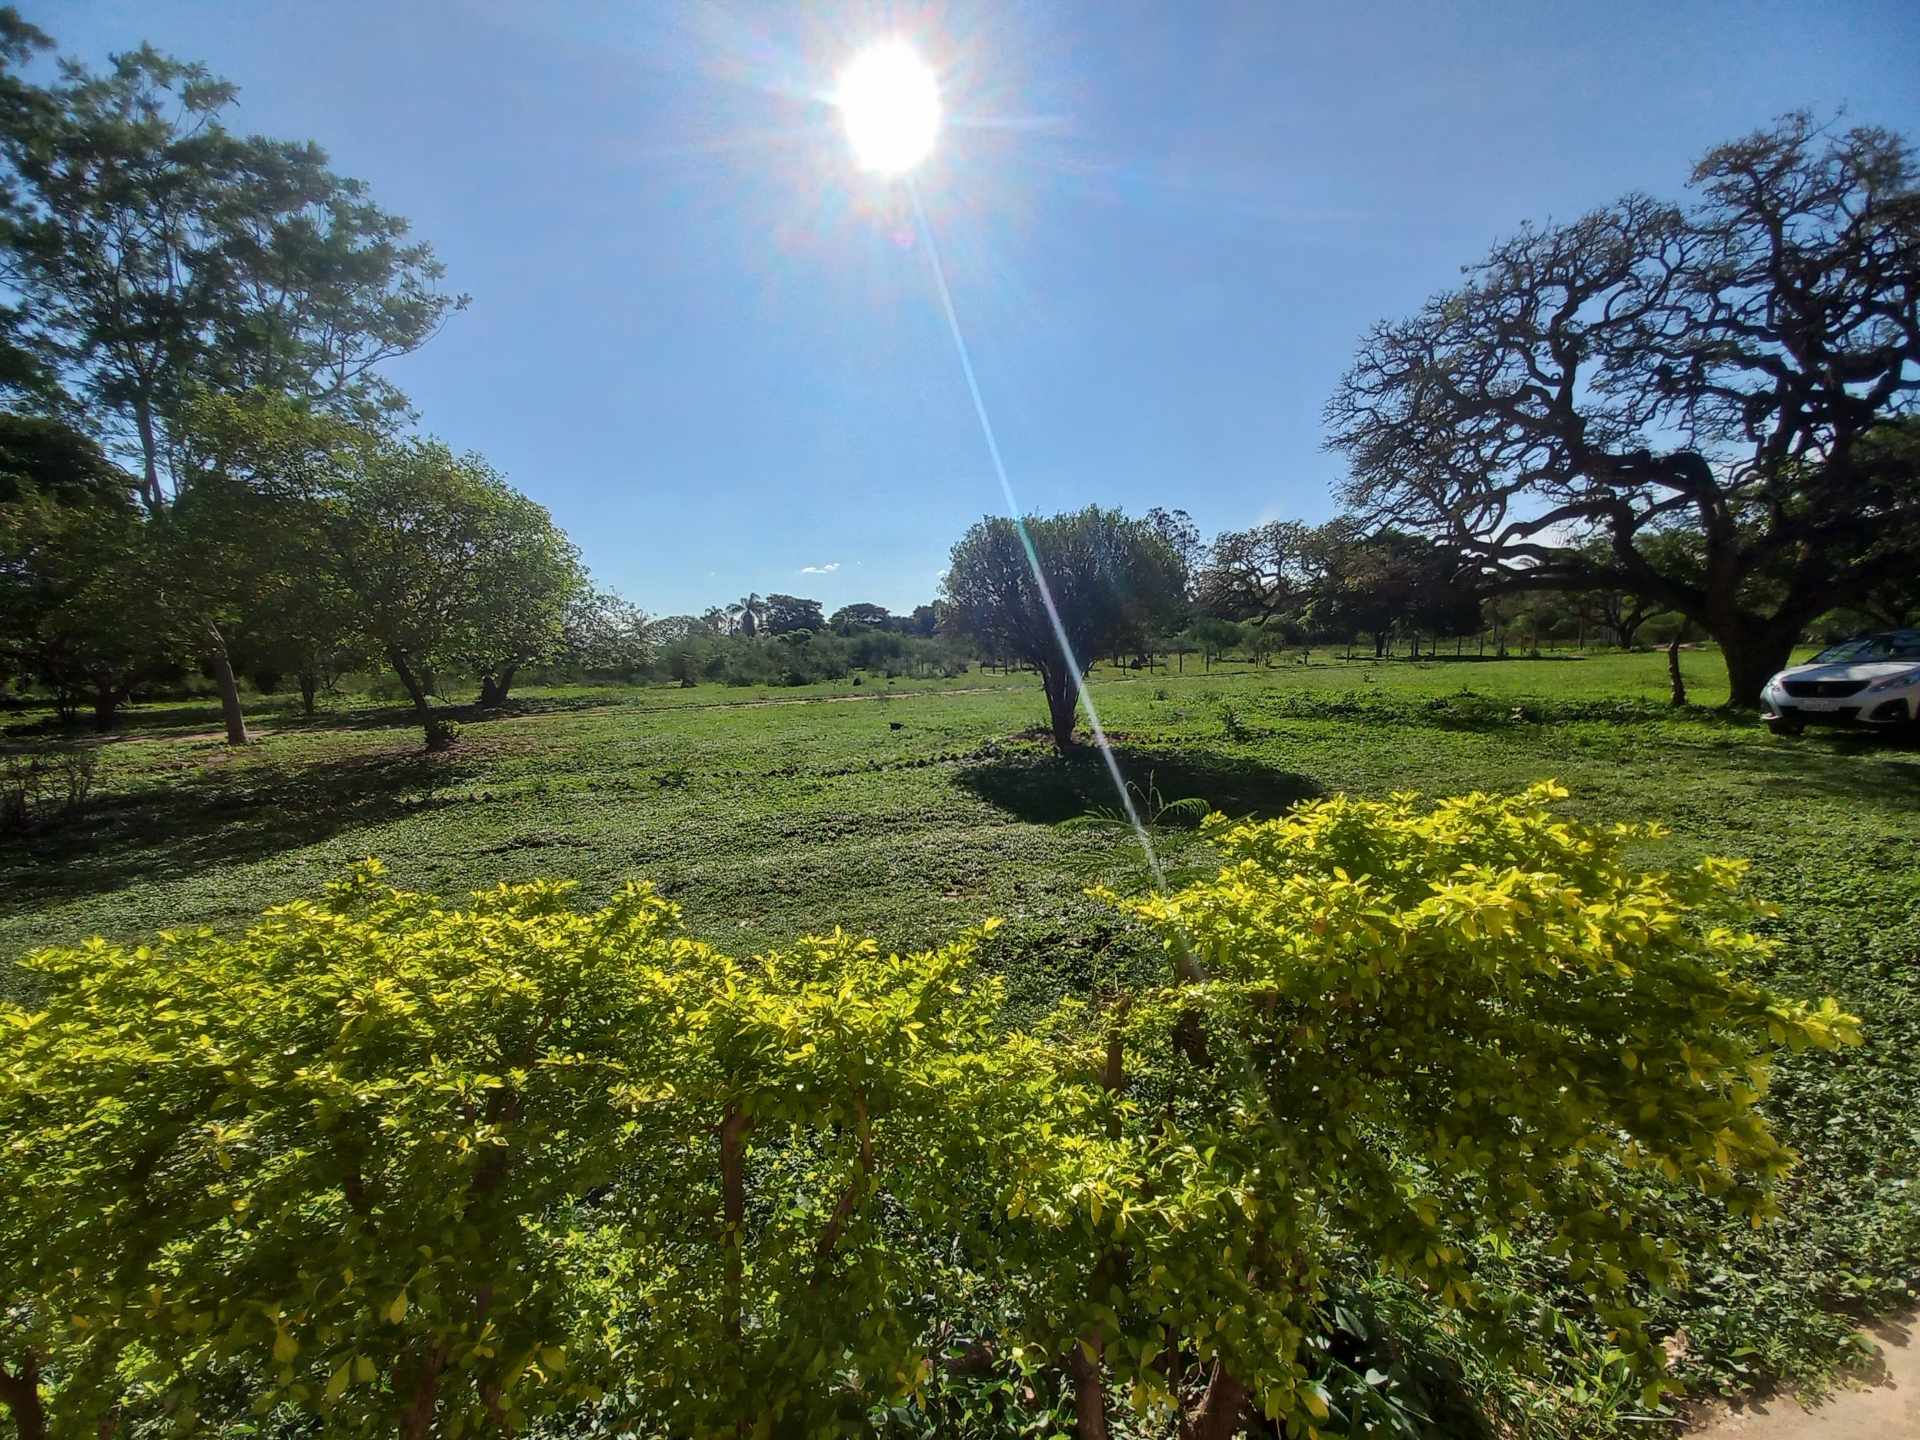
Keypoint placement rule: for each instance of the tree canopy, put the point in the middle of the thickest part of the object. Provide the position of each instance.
(1059, 591)
(1721, 367)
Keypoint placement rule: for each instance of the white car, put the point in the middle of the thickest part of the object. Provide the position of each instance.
(1868, 680)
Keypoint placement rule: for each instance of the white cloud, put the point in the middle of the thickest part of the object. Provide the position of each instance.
(826, 569)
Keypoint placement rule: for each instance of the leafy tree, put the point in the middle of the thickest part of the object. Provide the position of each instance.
(1176, 527)
(1375, 584)
(926, 620)
(789, 613)
(443, 562)
(861, 616)
(1214, 637)
(1259, 574)
(155, 252)
(1722, 366)
(86, 606)
(48, 457)
(747, 614)
(1058, 591)
(423, 536)
(527, 575)
(603, 633)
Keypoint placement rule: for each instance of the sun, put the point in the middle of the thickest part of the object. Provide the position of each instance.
(890, 103)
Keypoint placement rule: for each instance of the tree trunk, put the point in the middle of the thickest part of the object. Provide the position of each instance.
(1754, 654)
(1089, 1396)
(494, 687)
(733, 1212)
(1676, 682)
(397, 658)
(309, 688)
(149, 456)
(416, 1421)
(1221, 1408)
(1061, 700)
(21, 1392)
(222, 668)
(106, 700)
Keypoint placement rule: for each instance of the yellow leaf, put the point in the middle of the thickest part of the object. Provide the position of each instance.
(397, 1310)
(337, 1383)
(285, 1347)
(363, 1369)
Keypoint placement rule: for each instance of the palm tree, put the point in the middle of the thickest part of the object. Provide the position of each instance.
(748, 613)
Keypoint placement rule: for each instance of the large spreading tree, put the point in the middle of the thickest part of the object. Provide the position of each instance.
(1734, 369)
(153, 252)
(1057, 591)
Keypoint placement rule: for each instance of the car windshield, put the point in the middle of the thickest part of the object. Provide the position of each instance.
(1893, 645)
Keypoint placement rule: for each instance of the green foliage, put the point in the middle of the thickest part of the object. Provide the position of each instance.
(157, 251)
(1416, 1035)
(381, 1154)
(1153, 808)
(41, 791)
(401, 548)
(1058, 592)
(400, 1165)
(89, 599)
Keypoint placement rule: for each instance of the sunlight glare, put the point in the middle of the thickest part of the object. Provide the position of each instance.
(890, 104)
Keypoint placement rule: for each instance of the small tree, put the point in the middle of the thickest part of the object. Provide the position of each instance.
(527, 575)
(85, 603)
(1214, 637)
(1059, 591)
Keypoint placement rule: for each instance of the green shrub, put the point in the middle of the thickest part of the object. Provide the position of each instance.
(402, 1166)
(1411, 1036)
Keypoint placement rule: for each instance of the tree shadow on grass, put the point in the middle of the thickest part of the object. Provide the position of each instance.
(216, 818)
(1840, 764)
(1044, 789)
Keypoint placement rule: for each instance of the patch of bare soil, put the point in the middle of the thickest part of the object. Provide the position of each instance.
(1881, 1402)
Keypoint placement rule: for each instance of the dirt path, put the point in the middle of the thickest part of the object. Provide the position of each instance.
(1883, 1402)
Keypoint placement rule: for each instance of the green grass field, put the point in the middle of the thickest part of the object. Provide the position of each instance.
(909, 811)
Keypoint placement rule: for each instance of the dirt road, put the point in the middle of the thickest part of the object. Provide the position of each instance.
(1882, 1403)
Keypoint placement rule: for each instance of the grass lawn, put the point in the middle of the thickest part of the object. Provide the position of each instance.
(910, 811)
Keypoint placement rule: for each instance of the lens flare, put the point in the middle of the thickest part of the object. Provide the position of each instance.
(1033, 559)
(890, 104)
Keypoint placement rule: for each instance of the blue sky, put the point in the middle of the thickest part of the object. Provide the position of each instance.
(715, 350)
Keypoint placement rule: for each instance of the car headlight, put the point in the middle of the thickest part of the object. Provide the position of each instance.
(1894, 682)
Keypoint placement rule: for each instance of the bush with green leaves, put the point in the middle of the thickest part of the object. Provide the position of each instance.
(1403, 1038)
(399, 1166)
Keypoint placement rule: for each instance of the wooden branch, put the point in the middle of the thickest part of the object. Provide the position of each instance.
(849, 1197)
